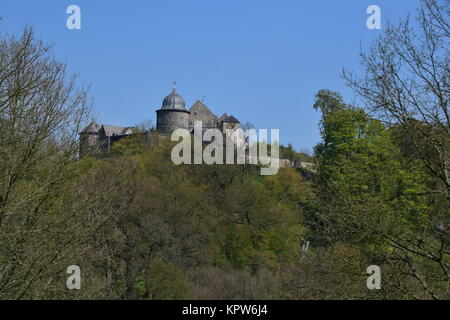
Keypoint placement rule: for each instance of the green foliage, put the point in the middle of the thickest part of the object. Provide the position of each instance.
(165, 281)
(141, 227)
(373, 196)
(190, 216)
(359, 160)
(289, 153)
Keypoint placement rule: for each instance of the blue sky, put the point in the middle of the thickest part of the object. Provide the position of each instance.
(262, 61)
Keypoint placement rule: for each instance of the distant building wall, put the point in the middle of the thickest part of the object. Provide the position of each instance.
(199, 112)
(89, 142)
(169, 120)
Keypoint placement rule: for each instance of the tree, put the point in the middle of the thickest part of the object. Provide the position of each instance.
(165, 281)
(406, 82)
(146, 125)
(371, 197)
(41, 112)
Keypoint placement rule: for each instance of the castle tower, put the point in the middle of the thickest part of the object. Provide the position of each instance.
(229, 123)
(89, 139)
(173, 113)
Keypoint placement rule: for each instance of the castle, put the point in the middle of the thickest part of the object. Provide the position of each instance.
(171, 116)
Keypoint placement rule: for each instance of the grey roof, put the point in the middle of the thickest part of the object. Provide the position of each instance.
(174, 101)
(116, 130)
(222, 117)
(231, 119)
(202, 111)
(109, 130)
(93, 127)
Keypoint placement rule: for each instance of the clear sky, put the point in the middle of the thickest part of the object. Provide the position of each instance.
(261, 61)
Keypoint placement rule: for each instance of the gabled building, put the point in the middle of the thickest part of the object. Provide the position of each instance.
(99, 138)
(172, 115)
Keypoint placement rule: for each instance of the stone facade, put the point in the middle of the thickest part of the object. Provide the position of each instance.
(169, 120)
(200, 112)
(99, 138)
(172, 115)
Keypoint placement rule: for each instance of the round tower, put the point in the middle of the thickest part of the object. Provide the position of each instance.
(173, 113)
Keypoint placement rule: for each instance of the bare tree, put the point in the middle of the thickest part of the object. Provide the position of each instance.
(41, 112)
(406, 82)
(146, 125)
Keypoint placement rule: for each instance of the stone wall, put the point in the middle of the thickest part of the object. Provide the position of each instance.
(169, 120)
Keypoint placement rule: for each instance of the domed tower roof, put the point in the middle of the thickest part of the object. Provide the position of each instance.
(173, 114)
(173, 101)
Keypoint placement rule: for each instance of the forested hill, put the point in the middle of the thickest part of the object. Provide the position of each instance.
(372, 222)
(184, 230)
(226, 232)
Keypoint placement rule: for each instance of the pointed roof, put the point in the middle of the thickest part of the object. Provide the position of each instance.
(222, 117)
(231, 119)
(199, 108)
(93, 127)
